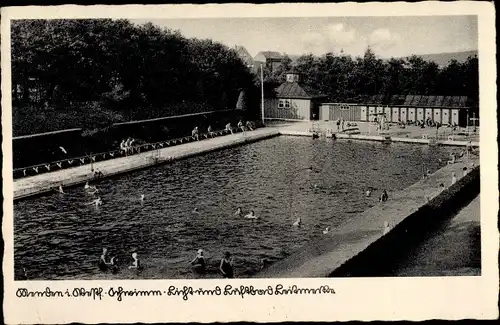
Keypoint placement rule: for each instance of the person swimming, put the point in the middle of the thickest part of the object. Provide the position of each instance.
(199, 266)
(97, 202)
(92, 190)
(136, 263)
(238, 212)
(195, 210)
(368, 193)
(142, 198)
(103, 264)
(226, 266)
(297, 222)
(251, 215)
(326, 231)
(384, 197)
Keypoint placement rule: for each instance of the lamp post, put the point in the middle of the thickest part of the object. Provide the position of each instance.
(262, 91)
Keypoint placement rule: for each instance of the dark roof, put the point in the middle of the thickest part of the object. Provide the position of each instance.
(294, 90)
(271, 55)
(415, 100)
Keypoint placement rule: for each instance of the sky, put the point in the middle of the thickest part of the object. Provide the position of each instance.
(388, 36)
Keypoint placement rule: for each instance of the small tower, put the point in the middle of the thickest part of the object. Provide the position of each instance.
(293, 76)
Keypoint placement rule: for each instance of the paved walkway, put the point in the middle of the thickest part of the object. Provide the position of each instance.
(33, 185)
(364, 129)
(453, 250)
(320, 258)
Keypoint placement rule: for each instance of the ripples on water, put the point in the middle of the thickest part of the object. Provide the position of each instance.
(60, 237)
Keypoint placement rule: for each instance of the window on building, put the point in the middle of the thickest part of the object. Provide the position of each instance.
(284, 103)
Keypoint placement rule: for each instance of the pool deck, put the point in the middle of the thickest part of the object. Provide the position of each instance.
(34, 185)
(363, 131)
(323, 256)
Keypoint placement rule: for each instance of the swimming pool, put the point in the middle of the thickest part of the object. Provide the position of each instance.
(61, 237)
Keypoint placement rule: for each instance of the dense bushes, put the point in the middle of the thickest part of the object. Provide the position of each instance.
(94, 72)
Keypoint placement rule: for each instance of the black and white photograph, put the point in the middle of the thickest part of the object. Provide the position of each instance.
(221, 148)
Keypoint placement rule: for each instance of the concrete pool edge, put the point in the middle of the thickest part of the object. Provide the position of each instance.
(43, 183)
(47, 182)
(352, 254)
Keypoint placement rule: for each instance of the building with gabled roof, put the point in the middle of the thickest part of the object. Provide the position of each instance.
(244, 55)
(294, 100)
(270, 59)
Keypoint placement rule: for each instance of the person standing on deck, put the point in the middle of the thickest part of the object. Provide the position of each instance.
(209, 130)
(229, 128)
(249, 125)
(226, 266)
(453, 178)
(194, 133)
(384, 197)
(241, 127)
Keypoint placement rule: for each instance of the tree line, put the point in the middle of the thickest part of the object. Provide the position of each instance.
(115, 70)
(343, 78)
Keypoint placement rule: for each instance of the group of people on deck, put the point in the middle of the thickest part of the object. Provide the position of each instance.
(126, 146)
(195, 133)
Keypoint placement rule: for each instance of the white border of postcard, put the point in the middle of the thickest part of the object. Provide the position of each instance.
(354, 298)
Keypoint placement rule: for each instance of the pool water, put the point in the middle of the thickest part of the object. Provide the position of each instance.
(60, 236)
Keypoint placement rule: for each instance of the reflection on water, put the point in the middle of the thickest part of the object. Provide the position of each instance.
(60, 237)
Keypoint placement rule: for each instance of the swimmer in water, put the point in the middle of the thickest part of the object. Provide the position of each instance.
(198, 263)
(297, 222)
(97, 202)
(87, 186)
(195, 210)
(142, 198)
(251, 215)
(326, 231)
(136, 263)
(103, 264)
(226, 266)
(238, 212)
(368, 193)
(93, 190)
(264, 263)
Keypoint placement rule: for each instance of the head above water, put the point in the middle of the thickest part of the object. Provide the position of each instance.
(200, 251)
